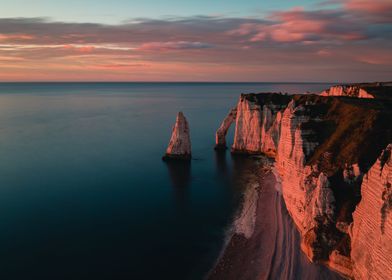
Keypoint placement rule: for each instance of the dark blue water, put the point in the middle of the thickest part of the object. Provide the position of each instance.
(84, 193)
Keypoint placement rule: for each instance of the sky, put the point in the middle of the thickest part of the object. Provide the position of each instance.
(173, 40)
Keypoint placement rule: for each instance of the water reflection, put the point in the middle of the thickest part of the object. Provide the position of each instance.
(245, 170)
(221, 163)
(180, 176)
(236, 172)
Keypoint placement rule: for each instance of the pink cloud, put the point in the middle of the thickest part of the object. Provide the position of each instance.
(167, 46)
(271, 47)
(82, 49)
(15, 37)
(260, 36)
(119, 66)
(375, 10)
(323, 53)
(374, 6)
(298, 25)
(246, 29)
(284, 35)
(375, 59)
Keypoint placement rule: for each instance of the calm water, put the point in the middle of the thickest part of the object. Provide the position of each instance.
(84, 193)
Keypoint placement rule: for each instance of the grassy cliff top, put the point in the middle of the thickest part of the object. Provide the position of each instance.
(348, 130)
(263, 98)
(351, 130)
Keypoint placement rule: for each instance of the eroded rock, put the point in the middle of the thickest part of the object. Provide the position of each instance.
(258, 123)
(371, 230)
(180, 143)
(379, 90)
(351, 91)
(220, 136)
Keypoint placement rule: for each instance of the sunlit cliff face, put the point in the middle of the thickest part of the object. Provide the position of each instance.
(348, 40)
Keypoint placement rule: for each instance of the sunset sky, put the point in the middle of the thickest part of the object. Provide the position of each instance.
(173, 40)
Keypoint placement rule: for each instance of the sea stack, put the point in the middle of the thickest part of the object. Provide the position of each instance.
(180, 143)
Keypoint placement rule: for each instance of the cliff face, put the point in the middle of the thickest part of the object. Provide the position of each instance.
(352, 91)
(180, 143)
(322, 146)
(247, 137)
(306, 188)
(371, 231)
(325, 146)
(257, 123)
(362, 90)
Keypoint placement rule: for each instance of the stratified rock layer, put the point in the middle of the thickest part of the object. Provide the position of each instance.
(352, 91)
(257, 123)
(180, 142)
(371, 232)
(363, 90)
(306, 189)
(322, 145)
(325, 143)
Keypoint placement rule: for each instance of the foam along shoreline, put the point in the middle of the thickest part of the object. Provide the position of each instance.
(264, 242)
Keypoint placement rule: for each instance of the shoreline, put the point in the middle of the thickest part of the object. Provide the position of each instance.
(263, 242)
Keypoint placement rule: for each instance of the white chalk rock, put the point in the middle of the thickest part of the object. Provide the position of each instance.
(347, 90)
(371, 231)
(180, 142)
(220, 136)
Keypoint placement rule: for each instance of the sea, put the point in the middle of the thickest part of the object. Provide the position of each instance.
(84, 193)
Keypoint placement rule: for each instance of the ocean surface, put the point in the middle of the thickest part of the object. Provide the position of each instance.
(84, 193)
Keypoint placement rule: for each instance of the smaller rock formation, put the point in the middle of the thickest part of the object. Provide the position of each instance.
(180, 143)
(344, 90)
(362, 90)
(220, 136)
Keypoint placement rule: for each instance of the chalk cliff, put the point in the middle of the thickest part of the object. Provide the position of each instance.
(323, 146)
(371, 231)
(362, 90)
(352, 91)
(180, 142)
(257, 123)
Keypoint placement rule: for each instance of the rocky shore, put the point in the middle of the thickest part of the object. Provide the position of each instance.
(264, 243)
